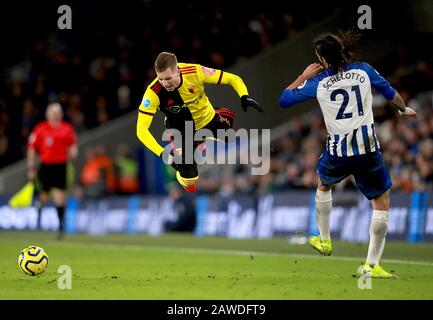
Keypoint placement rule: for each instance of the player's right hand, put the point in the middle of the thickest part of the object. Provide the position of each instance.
(408, 112)
(312, 70)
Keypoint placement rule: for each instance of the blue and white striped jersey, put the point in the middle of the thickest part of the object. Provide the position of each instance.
(346, 103)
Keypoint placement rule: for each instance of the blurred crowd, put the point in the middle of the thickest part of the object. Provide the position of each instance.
(104, 173)
(99, 70)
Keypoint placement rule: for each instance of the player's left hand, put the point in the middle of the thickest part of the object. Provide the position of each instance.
(248, 102)
(408, 112)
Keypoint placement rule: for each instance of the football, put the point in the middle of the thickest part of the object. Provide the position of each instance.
(33, 261)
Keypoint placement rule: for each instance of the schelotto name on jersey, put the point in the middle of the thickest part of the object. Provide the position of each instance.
(342, 76)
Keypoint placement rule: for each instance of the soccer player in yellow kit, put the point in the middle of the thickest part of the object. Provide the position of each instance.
(178, 91)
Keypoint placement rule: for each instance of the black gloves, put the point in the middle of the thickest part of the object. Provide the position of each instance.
(248, 102)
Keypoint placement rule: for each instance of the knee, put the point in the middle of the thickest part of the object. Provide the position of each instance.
(323, 195)
(382, 202)
(325, 188)
(188, 171)
(322, 187)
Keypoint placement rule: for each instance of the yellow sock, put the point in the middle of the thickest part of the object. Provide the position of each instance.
(186, 182)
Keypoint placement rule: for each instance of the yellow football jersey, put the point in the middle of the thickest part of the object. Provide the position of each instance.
(188, 102)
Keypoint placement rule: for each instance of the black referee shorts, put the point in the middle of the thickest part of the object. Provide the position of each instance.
(52, 175)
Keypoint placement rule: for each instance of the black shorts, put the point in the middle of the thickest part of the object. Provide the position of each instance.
(52, 175)
(223, 119)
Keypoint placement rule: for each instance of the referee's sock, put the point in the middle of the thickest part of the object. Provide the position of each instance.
(38, 205)
(61, 215)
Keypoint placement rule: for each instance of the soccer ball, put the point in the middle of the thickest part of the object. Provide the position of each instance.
(33, 261)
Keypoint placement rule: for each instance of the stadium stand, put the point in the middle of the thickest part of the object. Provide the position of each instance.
(97, 74)
(113, 67)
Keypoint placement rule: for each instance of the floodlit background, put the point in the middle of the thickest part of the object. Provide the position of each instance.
(99, 70)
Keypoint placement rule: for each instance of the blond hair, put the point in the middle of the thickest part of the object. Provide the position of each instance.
(164, 61)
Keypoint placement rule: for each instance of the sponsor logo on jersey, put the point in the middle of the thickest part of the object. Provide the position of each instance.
(208, 71)
(145, 103)
(302, 84)
(175, 109)
(224, 119)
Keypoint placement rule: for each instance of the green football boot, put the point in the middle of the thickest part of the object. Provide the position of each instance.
(323, 246)
(376, 271)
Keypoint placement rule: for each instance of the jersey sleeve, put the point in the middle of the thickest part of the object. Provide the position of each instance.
(150, 103)
(146, 111)
(72, 136)
(215, 76)
(209, 75)
(378, 82)
(145, 136)
(306, 91)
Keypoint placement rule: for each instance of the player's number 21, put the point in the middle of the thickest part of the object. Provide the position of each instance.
(345, 94)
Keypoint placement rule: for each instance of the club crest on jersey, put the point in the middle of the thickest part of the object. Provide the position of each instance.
(191, 89)
(208, 71)
(145, 103)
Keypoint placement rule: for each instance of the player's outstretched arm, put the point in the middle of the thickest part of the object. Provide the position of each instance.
(239, 86)
(214, 76)
(403, 110)
(387, 90)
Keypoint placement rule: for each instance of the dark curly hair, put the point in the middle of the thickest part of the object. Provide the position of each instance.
(337, 50)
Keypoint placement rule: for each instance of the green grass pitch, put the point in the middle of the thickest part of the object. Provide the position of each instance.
(176, 266)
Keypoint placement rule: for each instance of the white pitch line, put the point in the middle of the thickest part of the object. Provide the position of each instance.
(237, 252)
